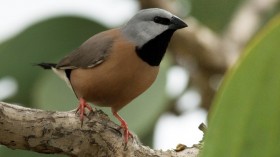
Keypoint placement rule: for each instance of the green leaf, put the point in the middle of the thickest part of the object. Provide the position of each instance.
(244, 120)
(44, 41)
(51, 93)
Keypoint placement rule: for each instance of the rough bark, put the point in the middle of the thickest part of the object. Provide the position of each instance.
(62, 133)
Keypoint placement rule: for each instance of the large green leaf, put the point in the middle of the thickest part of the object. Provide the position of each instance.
(44, 41)
(244, 121)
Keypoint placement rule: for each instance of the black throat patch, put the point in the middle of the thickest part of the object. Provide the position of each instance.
(68, 73)
(153, 51)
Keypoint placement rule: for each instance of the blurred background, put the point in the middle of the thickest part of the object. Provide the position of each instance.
(171, 110)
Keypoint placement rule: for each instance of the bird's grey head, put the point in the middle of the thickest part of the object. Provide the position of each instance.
(149, 23)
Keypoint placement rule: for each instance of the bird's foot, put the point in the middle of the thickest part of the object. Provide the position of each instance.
(81, 108)
(124, 126)
(126, 132)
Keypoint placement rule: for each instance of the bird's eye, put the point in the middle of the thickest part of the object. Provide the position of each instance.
(156, 19)
(162, 20)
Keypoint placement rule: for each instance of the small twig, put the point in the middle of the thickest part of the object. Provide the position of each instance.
(203, 128)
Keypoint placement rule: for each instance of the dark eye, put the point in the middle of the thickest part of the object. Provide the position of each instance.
(162, 20)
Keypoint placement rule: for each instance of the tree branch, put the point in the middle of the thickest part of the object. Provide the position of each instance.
(61, 133)
(245, 23)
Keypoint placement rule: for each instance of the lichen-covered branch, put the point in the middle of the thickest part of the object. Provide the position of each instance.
(62, 133)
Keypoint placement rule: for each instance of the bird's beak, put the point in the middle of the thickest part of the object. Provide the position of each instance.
(177, 23)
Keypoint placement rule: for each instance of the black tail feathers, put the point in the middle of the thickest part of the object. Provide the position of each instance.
(46, 65)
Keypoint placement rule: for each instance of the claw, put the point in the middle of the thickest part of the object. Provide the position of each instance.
(81, 107)
(124, 126)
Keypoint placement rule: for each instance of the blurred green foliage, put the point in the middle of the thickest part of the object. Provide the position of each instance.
(245, 117)
(44, 41)
(216, 14)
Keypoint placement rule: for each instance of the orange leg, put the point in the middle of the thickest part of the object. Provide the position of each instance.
(124, 126)
(81, 107)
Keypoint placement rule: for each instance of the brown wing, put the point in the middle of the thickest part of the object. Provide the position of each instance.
(91, 53)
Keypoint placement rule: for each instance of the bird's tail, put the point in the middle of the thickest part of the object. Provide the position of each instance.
(46, 65)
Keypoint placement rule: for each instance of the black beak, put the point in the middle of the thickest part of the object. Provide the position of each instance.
(177, 23)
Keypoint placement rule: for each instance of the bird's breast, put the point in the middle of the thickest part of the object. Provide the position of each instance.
(117, 81)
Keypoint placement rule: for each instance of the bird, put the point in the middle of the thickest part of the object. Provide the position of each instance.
(115, 66)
